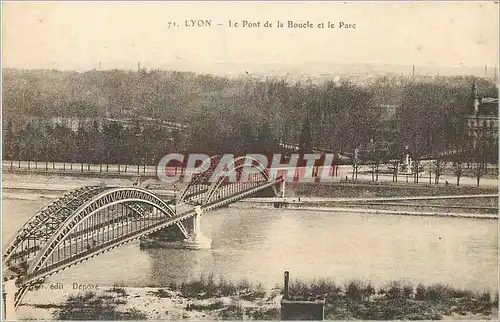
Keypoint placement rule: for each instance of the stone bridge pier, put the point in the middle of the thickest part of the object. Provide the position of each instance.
(171, 237)
(277, 190)
(196, 239)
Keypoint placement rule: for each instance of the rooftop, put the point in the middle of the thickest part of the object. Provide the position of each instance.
(488, 107)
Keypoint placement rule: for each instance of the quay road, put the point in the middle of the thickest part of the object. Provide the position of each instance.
(144, 172)
(327, 199)
(482, 206)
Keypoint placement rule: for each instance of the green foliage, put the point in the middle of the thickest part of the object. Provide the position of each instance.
(206, 287)
(355, 300)
(354, 291)
(394, 301)
(252, 293)
(269, 314)
(89, 306)
(122, 115)
(305, 141)
(118, 290)
(161, 293)
(232, 312)
(205, 307)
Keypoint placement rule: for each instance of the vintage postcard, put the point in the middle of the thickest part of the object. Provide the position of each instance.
(250, 160)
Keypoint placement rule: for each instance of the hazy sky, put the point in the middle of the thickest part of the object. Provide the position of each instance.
(77, 35)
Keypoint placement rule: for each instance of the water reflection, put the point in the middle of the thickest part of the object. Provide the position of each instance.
(259, 244)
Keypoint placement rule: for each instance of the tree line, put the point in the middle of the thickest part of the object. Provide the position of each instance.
(383, 117)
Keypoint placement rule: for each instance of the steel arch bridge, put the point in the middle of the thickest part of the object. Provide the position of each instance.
(203, 185)
(88, 221)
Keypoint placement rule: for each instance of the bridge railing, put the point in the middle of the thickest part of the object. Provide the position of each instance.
(18, 166)
(85, 253)
(219, 202)
(75, 167)
(89, 241)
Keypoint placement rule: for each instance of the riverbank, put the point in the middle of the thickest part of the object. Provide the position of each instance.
(208, 299)
(343, 173)
(382, 189)
(35, 183)
(373, 211)
(369, 198)
(234, 301)
(452, 209)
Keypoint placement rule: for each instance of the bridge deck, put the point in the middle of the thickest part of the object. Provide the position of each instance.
(113, 233)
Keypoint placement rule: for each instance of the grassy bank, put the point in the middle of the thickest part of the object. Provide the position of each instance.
(219, 299)
(395, 301)
(208, 287)
(479, 206)
(359, 190)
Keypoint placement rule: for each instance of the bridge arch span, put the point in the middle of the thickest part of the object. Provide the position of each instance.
(239, 164)
(90, 215)
(41, 225)
(89, 221)
(194, 187)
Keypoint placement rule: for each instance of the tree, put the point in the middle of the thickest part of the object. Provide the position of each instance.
(48, 147)
(305, 142)
(205, 132)
(479, 170)
(416, 169)
(113, 142)
(265, 139)
(83, 145)
(480, 155)
(395, 169)
(241, 114)
(378, 152)
(438, 169)
(96, 146)
(458, 170)
(356, 164)
(9, 141)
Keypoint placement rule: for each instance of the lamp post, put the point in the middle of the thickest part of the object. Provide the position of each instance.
(371, 154)
(407, 162)
(356, 158)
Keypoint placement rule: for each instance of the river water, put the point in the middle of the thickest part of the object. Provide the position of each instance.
(259, 244)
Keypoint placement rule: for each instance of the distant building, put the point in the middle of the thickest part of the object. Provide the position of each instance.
(482, 123)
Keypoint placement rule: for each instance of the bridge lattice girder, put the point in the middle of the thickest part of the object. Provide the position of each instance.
(66, 245)
(200, 186)
(103, 200)
(35, 234)
(197, 184)
(64, 220)
(42, 225)
(238, 165)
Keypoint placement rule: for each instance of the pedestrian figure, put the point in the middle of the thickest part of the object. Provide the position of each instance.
(446, 182)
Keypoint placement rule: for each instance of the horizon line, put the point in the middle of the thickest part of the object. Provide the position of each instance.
(296, 69)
